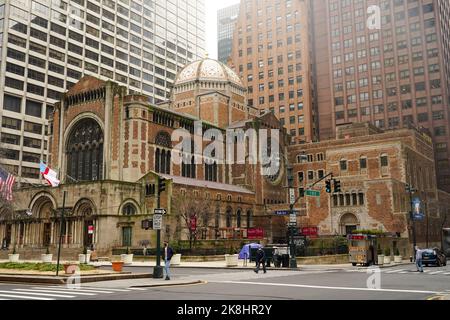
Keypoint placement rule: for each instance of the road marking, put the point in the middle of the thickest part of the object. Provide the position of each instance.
(436, 272)
(59, 291)
(109, 289)
(25, 291)
(403, 272)
(447, 273)
(326, 287)
(395, 271)
(138, 289)
(23, 297)
(75, 290)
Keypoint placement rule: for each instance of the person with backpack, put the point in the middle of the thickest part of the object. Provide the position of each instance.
(260, 259)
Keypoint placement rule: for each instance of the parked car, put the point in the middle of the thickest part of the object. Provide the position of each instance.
(434, 256)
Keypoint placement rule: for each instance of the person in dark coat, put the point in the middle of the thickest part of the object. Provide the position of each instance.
(260, 259)
(168, 254)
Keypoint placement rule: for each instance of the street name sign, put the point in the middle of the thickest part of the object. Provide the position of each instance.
(160, 211)
(157, 222)
(285, 212)
(312, 193)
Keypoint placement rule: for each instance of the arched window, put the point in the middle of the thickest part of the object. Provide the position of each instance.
(85, 151)
(162, 156)
(228, 218)
(129, 210)
(238, 218)
(249, 219)
(157, 159)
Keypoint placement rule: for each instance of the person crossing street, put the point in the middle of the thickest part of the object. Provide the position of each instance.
(260, 259)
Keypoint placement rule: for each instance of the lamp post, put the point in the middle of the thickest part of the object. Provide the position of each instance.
(158, 270)
(61, 233)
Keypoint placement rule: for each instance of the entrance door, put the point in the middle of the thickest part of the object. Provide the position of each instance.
(8, 235)
(126, 236)
(349, 229)
(47, 234)
(88, 237)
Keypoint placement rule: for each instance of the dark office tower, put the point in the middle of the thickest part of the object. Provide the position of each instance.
(394, 75)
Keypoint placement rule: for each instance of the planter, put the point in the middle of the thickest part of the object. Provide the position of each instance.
(70, 268)
(46, 258)
(84, 258)
(117, 266)
(398, 259)
(176, 259)
(231, 260)
(387, 260)
(126, 258)
(380, 259)
(13, 257)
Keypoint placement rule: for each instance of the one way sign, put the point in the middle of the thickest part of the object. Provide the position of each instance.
(160, 211)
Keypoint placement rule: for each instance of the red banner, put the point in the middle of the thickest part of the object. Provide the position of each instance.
(255, 233)
(193, 223)
(310, 232)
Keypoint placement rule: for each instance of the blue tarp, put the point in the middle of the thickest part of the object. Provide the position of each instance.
(245, 252)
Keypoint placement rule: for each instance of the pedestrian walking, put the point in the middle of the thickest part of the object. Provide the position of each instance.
(260, 258)
(168, 254)
(419, 263)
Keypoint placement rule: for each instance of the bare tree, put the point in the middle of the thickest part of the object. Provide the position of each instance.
(193, 214)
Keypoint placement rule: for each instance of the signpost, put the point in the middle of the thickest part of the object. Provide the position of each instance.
(292, 196)
(90, 229)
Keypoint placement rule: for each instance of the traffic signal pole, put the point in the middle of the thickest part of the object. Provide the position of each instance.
(158, 270)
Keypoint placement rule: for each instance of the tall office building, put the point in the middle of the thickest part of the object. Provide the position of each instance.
(392, 76)
(46, 46)
(226, 21)
(273, 55)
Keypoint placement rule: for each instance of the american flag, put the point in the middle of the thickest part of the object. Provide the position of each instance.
(6, 183)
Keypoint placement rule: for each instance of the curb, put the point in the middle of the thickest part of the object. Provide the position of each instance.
(63, 280)
(171, 284)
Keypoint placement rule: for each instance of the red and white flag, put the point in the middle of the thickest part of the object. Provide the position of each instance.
(49, 175)
(6, 183)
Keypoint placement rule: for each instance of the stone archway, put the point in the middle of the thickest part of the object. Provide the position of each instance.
(82, 227)
(42, 207)
(347, 223)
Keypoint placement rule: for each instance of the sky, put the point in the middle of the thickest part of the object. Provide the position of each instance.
(211, 23)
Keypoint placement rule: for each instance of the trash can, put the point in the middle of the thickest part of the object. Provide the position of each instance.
(285, 261)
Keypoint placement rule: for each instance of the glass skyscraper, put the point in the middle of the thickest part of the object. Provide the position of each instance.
(46, 46)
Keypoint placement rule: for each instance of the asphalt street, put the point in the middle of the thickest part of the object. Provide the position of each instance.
(396, 283)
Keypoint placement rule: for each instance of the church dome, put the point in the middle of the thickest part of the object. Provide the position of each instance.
(207, 70)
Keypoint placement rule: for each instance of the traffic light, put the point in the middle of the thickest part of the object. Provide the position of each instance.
(337, 186)
(328, 186)
(161, 185)
(301, 192)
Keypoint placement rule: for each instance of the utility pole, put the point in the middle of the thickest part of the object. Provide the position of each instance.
(61, 232)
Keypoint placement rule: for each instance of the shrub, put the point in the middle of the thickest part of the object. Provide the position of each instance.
(379, 251)
(47, 251)
(387, 252)
(396, 252)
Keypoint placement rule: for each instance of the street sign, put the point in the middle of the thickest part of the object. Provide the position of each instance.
(160, 211)
(293, 218)
(90, 229)
(285, 212)
(312, 193)
(291, 195)
(157, 222)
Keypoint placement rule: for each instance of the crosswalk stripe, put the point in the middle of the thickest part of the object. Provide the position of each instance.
(447, 273)
(25, 291)
(138, 289)
(24, 297)
(78, 290)
(59, 291)
(395, 271)
(109, 289)
(403, 272)
(436, 272)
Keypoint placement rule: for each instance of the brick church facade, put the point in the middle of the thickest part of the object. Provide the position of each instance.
(110, 147)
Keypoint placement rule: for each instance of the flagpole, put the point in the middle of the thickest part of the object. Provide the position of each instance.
(60, 233)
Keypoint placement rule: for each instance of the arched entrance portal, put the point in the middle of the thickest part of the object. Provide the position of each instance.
(348, 223)
(84, 212)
